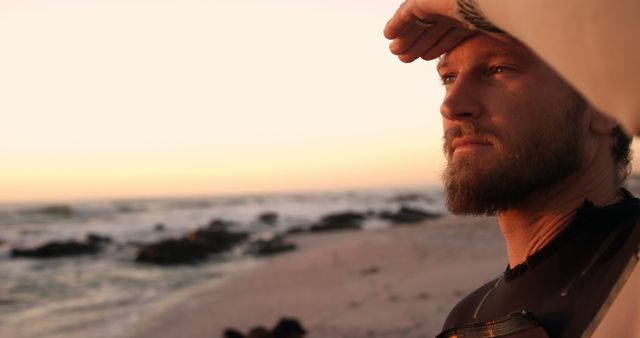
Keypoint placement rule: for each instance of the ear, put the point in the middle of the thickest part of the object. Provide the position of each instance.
(600, 123)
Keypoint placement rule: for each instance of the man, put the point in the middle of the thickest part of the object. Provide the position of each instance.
(524, 145)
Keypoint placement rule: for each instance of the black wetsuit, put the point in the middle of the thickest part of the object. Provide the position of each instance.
(559, 290)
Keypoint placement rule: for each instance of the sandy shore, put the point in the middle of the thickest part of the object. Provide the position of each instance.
(395, 282)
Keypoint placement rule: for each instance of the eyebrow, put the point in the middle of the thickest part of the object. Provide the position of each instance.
(443, 60)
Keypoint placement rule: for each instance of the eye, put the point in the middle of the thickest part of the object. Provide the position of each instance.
(448, 78)
(499, 69)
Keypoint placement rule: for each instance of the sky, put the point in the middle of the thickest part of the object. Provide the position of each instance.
(142, 98)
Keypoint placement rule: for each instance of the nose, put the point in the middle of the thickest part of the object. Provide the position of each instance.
(463, 99)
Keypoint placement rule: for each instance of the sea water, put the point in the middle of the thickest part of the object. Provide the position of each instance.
(101, 295)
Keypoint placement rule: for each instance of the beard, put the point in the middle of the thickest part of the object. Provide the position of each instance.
(530, 164)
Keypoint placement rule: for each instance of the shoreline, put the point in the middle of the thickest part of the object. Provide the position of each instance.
(393, 282)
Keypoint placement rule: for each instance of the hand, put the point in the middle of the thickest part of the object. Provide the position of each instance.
(413, 39)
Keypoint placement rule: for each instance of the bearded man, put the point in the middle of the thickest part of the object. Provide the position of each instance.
(522, 144)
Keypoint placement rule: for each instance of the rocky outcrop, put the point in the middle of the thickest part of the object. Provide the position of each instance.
(55, 210)
(232, 333)
(412, 197)
(339, 221)
(216, 240)
(98, 239)
(92, 244)
(276, 245)
(172, 251)
(298, 229)
(286, 328)
(407, 215)
(219, 223)
(268, 218)
(193, 247)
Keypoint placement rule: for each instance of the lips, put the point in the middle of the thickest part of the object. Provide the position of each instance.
(468, 142)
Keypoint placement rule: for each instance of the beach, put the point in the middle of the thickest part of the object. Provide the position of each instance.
(399, 281)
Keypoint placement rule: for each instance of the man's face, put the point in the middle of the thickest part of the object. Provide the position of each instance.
(512, 126)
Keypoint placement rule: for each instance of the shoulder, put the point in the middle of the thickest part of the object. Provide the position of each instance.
(464, 311)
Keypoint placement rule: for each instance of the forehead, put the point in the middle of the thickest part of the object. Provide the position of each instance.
(480, 48)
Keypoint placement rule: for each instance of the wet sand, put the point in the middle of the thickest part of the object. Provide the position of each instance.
(393, 282)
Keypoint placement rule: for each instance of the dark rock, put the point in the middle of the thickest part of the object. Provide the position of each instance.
(296, 230)
(192, 248)
(2, 241)
(288, 328)
(216, 240)
(172, 251)
(98, 239)
(259, 332)
(270, 247)
(339, 221)
(407, 215)
(58, 249)
(92, 244)
(268, 218)
(403, 198)
(57, 210)
(159, 227)
(221, 224)
(231, 333)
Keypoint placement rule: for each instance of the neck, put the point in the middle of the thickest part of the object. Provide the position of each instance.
(528, 229)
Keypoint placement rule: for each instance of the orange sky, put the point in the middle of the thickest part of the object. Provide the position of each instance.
(142, 98)
(104, 98)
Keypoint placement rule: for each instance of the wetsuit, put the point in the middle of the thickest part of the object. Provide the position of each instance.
(562, 290)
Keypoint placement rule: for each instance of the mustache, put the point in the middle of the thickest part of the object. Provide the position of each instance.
(465, 130)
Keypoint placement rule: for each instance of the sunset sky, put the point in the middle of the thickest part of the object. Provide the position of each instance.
(142, 98)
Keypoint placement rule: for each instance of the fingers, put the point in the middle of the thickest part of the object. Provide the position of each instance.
(428, 41)
(420, 45)
(412, 41)
(407, 39)
(446, 42)
(402, 19)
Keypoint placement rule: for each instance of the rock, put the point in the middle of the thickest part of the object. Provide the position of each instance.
(218, 223)
(288, 328)
(98, 239)
(216, 240)
(172, 251)
(232, 333)
(193, 247)
(2, 241)
(270, 247)
(296, 230)
(407, 215)
(268, 218)
(403, 198)
(159, 227)
(56, 210)
(92, 244)
(259, 332)
(339, 221)
(58, 249)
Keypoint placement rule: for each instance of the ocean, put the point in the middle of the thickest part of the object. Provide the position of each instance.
(101, 295)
